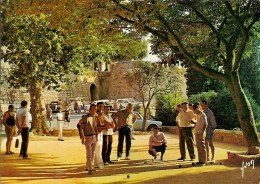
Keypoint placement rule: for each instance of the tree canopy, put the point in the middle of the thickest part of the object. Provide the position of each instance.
(150, 80)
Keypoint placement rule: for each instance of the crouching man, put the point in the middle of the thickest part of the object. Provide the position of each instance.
(157, 143)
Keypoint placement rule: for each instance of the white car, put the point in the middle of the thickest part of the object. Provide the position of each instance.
(149, 123)
(124, 101)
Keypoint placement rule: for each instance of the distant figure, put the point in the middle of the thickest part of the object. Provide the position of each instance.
(77, 106)
(178, 108)
(157, 143)
(22, 123)
(115, 106)
(60, 122)
(9, 123)
(49, 114)
(60, 104)
(212, 125)
(67, 116)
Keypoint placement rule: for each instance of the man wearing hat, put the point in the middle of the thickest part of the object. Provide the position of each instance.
(157, 143)
(184, 120)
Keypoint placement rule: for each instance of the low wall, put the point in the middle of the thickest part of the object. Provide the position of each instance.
(220, 135)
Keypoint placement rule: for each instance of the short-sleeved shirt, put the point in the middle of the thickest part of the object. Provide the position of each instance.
(153, 139)
(60, 116)
(23, 113)
(184, 118)
(89, 126)
(108, 118)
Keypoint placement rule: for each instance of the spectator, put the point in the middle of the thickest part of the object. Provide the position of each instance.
(100, 124)
(49, 114)
(126, 119)
(67, 116)
(88, 134)
(9, 123)
(22, 123)
(107, 136)
(60, 122)
(212, 125)
(184, 120)
(200, 133)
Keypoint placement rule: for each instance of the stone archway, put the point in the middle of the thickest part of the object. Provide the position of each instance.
(93, 92)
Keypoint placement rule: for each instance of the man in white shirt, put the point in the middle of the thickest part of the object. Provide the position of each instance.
(22, 123)
(185, 125)
(107, 135)
(157, 143)
(60, 121)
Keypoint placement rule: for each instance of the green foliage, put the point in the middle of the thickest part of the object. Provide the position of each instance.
(198, 83)
(34, 51)
(166, 108)
(223, 107)
(150, 79)
(255, 106)
(258, 126)
(249, 70)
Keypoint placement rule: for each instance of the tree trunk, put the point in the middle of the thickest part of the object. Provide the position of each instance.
(245, 113)
(37, 108)
(144, 116)
(144, 120)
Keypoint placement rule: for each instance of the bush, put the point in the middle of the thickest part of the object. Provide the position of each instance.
(224, 108)
(258, 126)
(166, 109)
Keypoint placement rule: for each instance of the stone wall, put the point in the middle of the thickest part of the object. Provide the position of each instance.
(220, 135)
(113, 85)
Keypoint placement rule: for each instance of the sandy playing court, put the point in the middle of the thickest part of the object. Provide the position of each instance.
(55, 162)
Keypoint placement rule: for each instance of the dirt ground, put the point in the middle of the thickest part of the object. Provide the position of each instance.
(55, 162)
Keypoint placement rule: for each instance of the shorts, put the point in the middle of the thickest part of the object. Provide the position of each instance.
(10, 131)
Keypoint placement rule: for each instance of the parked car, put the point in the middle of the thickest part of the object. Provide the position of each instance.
(54, 105)
(105, 101)
(124, 101)
(150, 123)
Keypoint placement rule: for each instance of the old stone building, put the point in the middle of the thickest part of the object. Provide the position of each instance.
(107, 82)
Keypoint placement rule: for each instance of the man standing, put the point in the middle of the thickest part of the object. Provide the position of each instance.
(60, 122)
(9, 123)
(22, 123)
(100, 125)
(157, 143)
(88, 134)
(184, 120)
(212, 125)
(107, 135)
(126, 119)
(200, 133)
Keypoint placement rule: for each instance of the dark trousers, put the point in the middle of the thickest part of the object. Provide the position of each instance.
(25, 141)
(78, 127)
(185, 135)
(124, 132)
(160, 148)
(107, 147)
